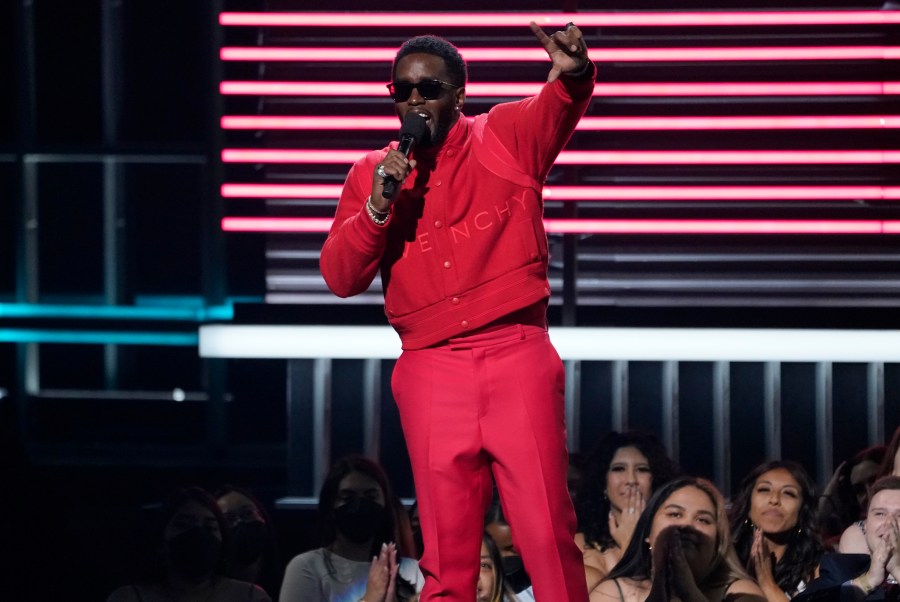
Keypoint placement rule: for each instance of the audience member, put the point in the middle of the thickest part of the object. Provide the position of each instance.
(853, 539)
(618, 477)
(773, 522)
(254, 542)
(416, 528)
(513, 568)
(187, 561)
(359, 559)
(845, 496)
(871, 576)
(492, 586)
(890, 466)
(406, 537)
(681, 550)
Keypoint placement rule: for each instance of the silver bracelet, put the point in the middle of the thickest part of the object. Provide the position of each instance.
(379, 217)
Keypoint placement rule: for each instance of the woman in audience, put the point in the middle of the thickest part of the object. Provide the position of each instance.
(254, 546)
(511, 566)
(618, 477)
(359, 559)
(681, 550)
(846, 495)
(187, 561)
(890, 467)
(492, 585)
(773, 522)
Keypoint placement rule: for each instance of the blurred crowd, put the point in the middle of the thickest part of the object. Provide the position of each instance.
(647, 532)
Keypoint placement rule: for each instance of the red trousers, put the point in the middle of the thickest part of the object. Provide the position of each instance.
(490, 403)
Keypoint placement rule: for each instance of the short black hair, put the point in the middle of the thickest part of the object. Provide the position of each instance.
(438, 46)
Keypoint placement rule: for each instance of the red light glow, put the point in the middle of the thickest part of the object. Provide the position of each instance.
(628, 226)
(248, 155)
(355, 123)
(611, 193)
(522, 89)
(584, 19)
(603, 55)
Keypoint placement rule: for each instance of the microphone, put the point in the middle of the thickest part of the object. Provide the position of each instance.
(412, 131)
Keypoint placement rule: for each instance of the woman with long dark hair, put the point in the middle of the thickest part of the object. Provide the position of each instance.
(681, 550)
(363, 556)
(492, 586)
(775, 534)
(619, 476)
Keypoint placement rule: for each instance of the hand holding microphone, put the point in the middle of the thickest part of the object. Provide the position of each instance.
(390, 173)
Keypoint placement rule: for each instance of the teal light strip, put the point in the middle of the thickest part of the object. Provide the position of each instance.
(97, 337)
(119, 312)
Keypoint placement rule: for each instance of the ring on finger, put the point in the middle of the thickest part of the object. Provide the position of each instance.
(380, 171)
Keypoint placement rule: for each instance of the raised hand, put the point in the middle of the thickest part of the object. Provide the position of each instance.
(567, 49)
(380, 586)
(893, 539)
(621, 526)
(672, 574)
(763, 562)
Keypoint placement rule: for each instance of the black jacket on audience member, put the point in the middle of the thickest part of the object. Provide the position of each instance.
(837, 569)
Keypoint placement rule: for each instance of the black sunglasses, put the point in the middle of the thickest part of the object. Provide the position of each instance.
(429, 89)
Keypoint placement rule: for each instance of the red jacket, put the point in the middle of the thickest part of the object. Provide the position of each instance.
(465, 244)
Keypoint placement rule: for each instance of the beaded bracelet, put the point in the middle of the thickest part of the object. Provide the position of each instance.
(379, 217)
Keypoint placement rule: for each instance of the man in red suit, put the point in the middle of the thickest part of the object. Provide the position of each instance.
(463, 259)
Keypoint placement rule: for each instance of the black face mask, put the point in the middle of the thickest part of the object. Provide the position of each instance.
(514, 573)
(359, 520)
(195, 552)
(249, 539)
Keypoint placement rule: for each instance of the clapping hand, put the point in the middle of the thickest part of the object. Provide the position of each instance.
(672, 574)
(382, 582)
(892, 538)
(763, 562)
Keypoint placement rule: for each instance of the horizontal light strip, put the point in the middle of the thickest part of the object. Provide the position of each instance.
(572, 343)
(615, 226)
(797, 157)
(522, 89)
(584, 19)
(115, 312)
(775, 122)
(602, 55)
(276, 224)
(99, 337)
(604, 193)
(562, 226)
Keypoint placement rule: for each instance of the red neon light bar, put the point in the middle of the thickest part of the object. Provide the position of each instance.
(611, 55)
(300, 88)
(633, 226)
(562, 226)
(585, 19)
(798, 157)
(609, 193)
(823, 122)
